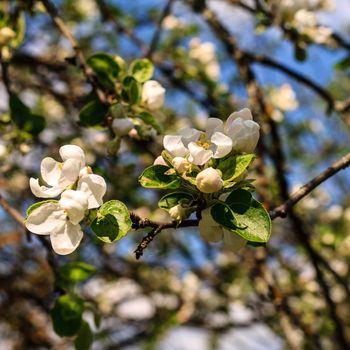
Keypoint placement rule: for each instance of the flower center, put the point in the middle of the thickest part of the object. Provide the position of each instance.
(203, 143)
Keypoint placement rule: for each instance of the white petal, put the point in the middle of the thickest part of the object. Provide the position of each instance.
(209, 229)
(223, 144)
(73, 152)
(153, 94)
(95, 186)
(198, 155)
(213, 125)
(50, 171)
(233, 241)
(75, 203)
(43, 191)
(49, 217)
(70, 172)
(67, 239)
(243, 114)
(174, 145)
(189, 135)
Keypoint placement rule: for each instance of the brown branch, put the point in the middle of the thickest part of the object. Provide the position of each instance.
(88, 72)
(282, 210)
(156, 36)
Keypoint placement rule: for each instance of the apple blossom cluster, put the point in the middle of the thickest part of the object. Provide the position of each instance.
(210, 169)
(79, 189)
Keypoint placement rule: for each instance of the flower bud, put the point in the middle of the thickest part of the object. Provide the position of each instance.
(159, 161)
(209, 181)
(153, 95)
(178, 212)
(121, 127)
(181, 164)
(6, 34)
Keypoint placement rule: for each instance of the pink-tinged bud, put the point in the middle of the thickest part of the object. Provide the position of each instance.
(160, 161)
(209, 181)
(181, 164)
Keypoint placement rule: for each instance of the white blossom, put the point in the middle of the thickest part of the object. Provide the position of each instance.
(160, 161)
(209, 181)
(211, 231)
(60, 221)
(204, 52)
(153, 95)
(284, 98)
(181, 164)
(59, 176)
(243, 131)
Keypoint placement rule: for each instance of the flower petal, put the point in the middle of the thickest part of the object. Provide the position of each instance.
(223, 144)
(49, 217)
(95, 187)
(66, 240)
(75, 203)
(213, 125)
(174, 145)
(43, 191)
(69, 173)
(50, 171)
(243, 114)
(198, 155)
(73, 152)
(189, 135)
(233, 241)
(209, 229)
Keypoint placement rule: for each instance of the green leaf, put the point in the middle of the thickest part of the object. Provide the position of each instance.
(344, 64)
(105, 68)
(175, 198)
(155, 177)
(85, 337)
(148, 119)
(76, 271)
(131, 90)
(252, 218)
(223, 215)
(112, 222)
(37, 205)
(67, 314)
(142, 69)
(23, 118)
(93, 113)
(234, 167)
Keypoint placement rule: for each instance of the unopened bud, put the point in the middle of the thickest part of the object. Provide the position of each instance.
(178, 212)
(159, 161)
(6, 34)
(181, 164)
(209, 181)
(121, 127)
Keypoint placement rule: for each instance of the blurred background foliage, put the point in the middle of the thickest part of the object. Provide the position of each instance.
(289, 62)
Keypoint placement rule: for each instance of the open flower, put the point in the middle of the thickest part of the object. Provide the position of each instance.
(60, 220)
(153, 95)
(211, 231)
(243, 131)
(62, 176)
(58, 176)
(213, 144)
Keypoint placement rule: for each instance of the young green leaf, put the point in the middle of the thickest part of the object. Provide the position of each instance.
(131, 90)
(93, 113)
(155, 177)
(76, 271)
(253, 221)
(105, 68)
(67, 314)
(223, 215)
(234, 167)
(148, 119)
(142, 69)
(112, 222)
(84, 338)
(170, 200)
